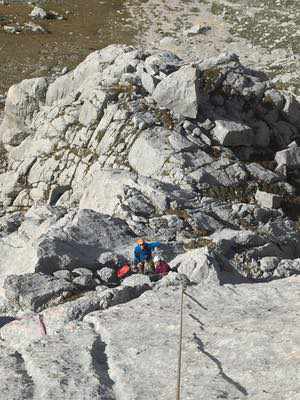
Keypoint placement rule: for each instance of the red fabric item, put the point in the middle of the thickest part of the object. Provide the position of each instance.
(123, 271)
(162, 268)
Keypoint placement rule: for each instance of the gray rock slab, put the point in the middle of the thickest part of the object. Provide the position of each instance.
(220, 324)
(150, 152)
(25, 329)
(68, 365)
(106, 201)
(15, 383)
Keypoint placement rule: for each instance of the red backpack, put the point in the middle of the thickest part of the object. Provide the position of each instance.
(123, 271)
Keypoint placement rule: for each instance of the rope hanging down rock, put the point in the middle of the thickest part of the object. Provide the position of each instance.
(178, 389)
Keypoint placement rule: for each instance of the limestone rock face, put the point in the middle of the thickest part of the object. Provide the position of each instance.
(220, 323)
(76, 356)
(22, 103)
(138, 143)
(150, 152)
(141, 112)
(179, 92)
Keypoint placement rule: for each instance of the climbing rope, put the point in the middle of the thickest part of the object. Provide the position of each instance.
(178, 388)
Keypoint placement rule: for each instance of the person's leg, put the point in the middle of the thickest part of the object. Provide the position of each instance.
(141, 267)
(149, 267)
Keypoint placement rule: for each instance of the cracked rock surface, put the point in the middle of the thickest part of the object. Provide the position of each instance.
(236, 339)
(201, 156)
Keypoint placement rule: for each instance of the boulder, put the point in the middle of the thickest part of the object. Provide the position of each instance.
(63, 274)
(84, 282)
(261, 174)
(9, 187)
(268, 200)
(164, 61)
(233, 134)
(85, 235)
(287, 268)
(268, 264)
(227, 240)
(198, 265)
(292, 109)
(38, 13)
(179, 92)
(36, 291)
(289, 157)
(10, 223)
(149, 82)
(284, 133)
(107, 275)
(25, 241)
(79, 78)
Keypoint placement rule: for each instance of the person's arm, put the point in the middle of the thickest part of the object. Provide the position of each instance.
(137, 256)
(154, 244)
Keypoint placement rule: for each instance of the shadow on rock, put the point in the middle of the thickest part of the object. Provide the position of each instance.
(102, 368)
(197, 320)
(195, 301)
(6, 320)
(218, 363)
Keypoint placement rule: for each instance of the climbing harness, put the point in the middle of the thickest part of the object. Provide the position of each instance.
(178, 388)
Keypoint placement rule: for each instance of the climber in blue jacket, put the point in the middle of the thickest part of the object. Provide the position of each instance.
(143, 255)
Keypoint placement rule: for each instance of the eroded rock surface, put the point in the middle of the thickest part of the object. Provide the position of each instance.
(138, 143)
(235, 338)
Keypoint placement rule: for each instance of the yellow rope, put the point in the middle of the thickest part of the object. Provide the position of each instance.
(178, 389)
